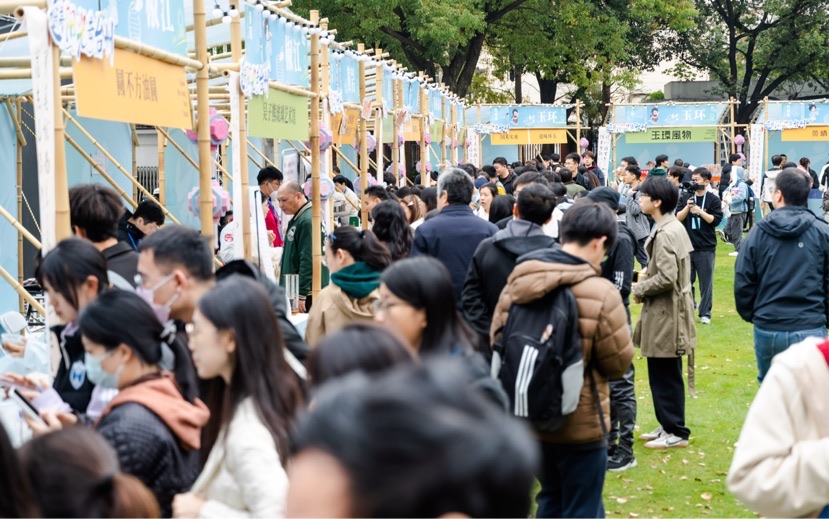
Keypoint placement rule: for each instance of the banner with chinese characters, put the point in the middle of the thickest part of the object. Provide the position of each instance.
(278, 115)
(535, 136)
(157, 23)
(529, 116)
(281, 44)
(807, 112)
(684, 134)
(810, 133)
(345, 126)
(135, 89)
(669, 115)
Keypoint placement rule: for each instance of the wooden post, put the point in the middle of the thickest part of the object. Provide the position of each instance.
(203, 125)
(244, 211)
(361, 67)
(425, 174)
(454, 135)
(578, 123)
(63, 228)
(316, 224)
(162, 181)
(20, 269)
(325, 63)
(395, 150)
(134, 135)
(443, 151)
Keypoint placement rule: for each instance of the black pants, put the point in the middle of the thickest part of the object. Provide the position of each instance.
(623, 411)
(668, 392)
(571, 480)
(702, 265)
(734, 229)
(641, 255)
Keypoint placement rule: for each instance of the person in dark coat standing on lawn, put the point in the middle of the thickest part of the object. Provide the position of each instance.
(495, 257)
(454, 234)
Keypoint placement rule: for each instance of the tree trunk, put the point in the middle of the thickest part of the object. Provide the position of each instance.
(547, 88)
(458, 74)
(519, 85)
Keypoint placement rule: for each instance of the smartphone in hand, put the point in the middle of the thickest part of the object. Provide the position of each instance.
(26, 406)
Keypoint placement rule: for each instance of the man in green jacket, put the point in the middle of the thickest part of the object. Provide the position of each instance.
(661, 169)
(297, 257)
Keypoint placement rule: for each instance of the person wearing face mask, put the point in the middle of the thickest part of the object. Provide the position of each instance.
(269, 179)
(154, 423)
(73, 273)
(355, 259)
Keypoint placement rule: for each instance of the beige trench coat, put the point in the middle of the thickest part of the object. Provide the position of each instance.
(666, 327)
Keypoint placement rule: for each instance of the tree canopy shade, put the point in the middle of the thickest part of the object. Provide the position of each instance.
(752, 47)
(426, 35)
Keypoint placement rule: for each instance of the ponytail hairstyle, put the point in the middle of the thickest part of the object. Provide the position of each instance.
(241, 306)
(102, 322)
(392, 228)
(413, 203)
(69, 265)
(74, 473)
(362, 245)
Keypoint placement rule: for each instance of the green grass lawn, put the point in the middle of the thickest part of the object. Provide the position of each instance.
(691, 482)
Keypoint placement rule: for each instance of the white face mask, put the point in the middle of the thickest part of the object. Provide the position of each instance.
(273, 196)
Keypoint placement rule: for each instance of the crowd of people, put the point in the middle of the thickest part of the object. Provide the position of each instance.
(477, 336)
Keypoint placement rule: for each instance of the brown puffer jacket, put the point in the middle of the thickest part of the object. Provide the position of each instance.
(606, 342)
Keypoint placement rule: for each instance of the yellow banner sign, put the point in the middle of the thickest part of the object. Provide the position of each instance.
(548, 136)
(810, 133)
(514, 137)
(411, 130)
(134, 89)
(345, 131)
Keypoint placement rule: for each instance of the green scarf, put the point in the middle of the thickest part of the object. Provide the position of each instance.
(357, 280)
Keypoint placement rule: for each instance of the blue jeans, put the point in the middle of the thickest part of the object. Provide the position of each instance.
(571, 481)
(768, 343)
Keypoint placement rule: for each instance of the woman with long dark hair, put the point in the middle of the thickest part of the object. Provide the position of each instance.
(392, 228)
(73, 273)
(16, 500)
(237, 344)
(355, 260)
(155, 421)
(501, 207)
(417, 300)
(411, 205)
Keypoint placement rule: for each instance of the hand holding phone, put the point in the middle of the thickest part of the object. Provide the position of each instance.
(28, 409)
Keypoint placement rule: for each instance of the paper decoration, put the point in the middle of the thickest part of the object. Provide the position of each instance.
(756, 165)
(236, 163)
(78, 31)
(487, 128)
(335, 102)
(221, 202)
(604, 149)
(219, 128)
(254, 79)
(777, 125)
(428, 166)
(326, 139)
(326, 188)
(626, 128)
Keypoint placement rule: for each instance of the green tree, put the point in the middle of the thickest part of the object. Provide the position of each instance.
(753, 47)
(426, 35)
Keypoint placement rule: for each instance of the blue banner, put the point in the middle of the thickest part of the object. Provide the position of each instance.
(350, 70)
(388, 89)
(529, 116)
(159, 23)
(670, 115)
(281, 44)
(435, 104)
(809, 111)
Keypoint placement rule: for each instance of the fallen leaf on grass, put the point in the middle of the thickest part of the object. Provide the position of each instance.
(707, 496)
(683, 478)
(621, 500)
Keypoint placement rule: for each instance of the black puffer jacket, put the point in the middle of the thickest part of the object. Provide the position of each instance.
(618, 267)
(491, 265)
(146, 444)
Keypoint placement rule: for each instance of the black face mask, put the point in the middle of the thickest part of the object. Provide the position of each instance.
(697, 187)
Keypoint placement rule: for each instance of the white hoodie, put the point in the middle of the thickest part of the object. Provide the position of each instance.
(768, 184)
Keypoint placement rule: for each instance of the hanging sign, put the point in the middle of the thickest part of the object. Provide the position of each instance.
(810, 133)
(669, 115)
(78, 31)
(134, 89)
(528, 116)
(345, 126)
(278, 115)
(672, 135)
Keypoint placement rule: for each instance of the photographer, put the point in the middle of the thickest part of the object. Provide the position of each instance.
(700, 212)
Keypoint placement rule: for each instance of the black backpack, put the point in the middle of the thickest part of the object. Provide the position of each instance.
(538, 359)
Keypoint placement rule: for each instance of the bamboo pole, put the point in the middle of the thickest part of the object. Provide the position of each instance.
(316, 202)
(162, 180)
(21, 273)
(731, 103)
(163, 55)
(578, 123)
(21, 230)
(267, 159)
(395, 149)
(326, 116)
(10, 6)
(63, 227)
(453, 151)
(378, 123)
(101, 171)
(13, 35)
(115, 163)
(425, 175)
(202, 86)
(134, 159)
(244, 211)
(22, 291)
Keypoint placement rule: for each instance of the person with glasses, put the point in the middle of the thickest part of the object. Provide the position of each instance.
(355, 259)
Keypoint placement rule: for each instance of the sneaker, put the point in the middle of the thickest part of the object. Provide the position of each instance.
(667, 441)
(621, 462)
(734, 254)
(721, 234)
(656, 433)
(705, 320)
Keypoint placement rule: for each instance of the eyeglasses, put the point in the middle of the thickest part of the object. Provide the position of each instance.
(141, 282)
(383, 306)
